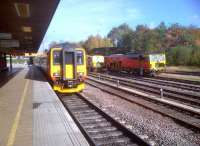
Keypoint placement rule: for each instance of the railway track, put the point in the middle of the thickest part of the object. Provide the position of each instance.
(187, 97)
(184, 73)
(167, 79)
(177, 83)
(99, 128)
(178, 80)
(173, 83)
(186, 115)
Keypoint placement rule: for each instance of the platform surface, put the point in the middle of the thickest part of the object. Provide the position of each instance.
(32, 114)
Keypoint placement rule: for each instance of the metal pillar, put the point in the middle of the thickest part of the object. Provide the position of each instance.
(10, 61)
(117, 83)
(5, 58)
(161, 93)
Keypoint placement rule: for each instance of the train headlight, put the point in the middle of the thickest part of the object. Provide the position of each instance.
(56, 74)
(81, 76)
(80, 73)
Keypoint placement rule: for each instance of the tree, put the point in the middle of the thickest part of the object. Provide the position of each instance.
(181, 44)
(97, 42)
(116, 34)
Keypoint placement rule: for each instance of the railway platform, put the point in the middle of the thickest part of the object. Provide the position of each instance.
(8, 74)
(32, 114)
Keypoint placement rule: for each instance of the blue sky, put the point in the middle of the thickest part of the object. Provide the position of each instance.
(75, 20)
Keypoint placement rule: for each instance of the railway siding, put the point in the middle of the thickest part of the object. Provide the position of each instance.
(191, 100)
(175, 112)
(177, 90)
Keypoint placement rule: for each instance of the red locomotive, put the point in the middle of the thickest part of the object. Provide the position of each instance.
(135, 63)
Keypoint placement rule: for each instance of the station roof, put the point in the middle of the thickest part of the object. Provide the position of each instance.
(23, 24)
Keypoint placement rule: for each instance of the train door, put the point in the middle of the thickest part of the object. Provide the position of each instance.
(68, 64)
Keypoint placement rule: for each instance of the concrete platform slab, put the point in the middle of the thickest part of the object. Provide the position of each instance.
(32, 114)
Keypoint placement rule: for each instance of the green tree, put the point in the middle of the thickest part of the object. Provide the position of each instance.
(97, 42)
(117, 32)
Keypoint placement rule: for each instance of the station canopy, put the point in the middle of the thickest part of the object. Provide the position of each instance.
(23, 24)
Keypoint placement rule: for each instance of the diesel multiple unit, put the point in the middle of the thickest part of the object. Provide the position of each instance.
(65, 67)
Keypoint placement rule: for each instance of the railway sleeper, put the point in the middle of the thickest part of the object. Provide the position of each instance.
(114, 142)
(100, 125)
(78, 108)
(93, 117)
(91, 121)
(97, 124)
(86, 114)
(73, 101)
(107, 135)
(77, 104)
(88, 111)
(102, 130)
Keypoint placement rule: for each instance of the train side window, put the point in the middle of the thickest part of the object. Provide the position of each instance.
(56, 57)
(79, 57)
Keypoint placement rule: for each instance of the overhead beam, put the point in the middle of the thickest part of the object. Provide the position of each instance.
(4, 36)
(9, 43)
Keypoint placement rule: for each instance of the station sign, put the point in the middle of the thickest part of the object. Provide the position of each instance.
(9, 43)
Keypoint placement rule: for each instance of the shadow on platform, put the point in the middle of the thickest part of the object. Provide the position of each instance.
(7, 75)
(34, 73)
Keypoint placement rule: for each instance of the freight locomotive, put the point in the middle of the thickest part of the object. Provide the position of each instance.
(65, 67)
(136, 63)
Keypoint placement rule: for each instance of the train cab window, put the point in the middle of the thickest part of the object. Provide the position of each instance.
(69, 57)
(56, 57)
(79, 57)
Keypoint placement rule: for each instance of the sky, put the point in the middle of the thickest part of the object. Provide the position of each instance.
(75, 20)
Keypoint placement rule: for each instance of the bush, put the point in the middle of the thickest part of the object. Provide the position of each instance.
(183, 55)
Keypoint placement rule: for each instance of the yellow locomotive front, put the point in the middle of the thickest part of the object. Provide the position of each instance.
(157, 62)
(68, 70)
(95, 63)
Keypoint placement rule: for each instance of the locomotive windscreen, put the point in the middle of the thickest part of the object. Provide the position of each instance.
(157, 57)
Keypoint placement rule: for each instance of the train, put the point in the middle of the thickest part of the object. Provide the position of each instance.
(136, 63)
(65, 67)
(95, 63)
(3, 62)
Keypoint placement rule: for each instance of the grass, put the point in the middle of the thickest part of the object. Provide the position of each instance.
(183, 68)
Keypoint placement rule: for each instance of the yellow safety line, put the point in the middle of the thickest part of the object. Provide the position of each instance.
(12, 134)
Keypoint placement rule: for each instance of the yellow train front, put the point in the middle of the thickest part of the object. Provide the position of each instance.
(95, 63)
(66, 67)
(157, 62)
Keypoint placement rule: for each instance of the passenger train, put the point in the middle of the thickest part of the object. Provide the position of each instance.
(65, 67)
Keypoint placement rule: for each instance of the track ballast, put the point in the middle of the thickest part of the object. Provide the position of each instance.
(98, 127)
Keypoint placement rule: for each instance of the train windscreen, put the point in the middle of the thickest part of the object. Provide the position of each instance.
(79, 57)
(56, 57)
(69, 57)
